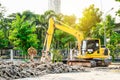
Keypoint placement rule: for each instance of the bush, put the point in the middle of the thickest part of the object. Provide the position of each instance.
(57, 57)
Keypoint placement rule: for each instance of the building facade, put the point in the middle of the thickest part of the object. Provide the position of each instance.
(54, 5)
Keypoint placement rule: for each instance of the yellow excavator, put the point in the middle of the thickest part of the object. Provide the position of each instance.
(90, 53)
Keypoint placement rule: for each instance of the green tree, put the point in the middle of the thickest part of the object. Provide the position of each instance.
(108, 26)
(4, 28)
(114, 45)
(3, 41)
(98, 32)
(91, 16)
(29, 16)
(69, 20)
(22, 34)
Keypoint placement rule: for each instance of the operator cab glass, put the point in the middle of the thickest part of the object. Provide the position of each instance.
(89, 46)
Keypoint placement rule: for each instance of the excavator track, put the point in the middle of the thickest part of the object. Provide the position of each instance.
(83, 63)
(89, 63)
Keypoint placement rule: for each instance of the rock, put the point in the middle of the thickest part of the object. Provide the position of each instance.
(23, 70)
(69, 69)
(41, 67)
(38, 73)
(1, 78)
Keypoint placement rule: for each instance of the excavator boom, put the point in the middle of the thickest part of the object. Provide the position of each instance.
(61, 26)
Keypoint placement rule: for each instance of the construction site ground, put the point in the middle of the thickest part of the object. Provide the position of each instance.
(97, 73)
(93, 75)
(112, 72)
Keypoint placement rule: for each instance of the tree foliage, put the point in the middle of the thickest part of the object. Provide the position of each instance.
(109, 26)
(3, 40)
(106, 26)
(98, 32)
(22, 34)
(69, 20)
(91, 16)
(4, 28)
(114, 45)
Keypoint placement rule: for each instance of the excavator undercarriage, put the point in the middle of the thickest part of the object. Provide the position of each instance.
(90, 63)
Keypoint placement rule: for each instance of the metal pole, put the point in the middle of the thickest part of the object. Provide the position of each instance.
(104, 36)
(11, 54)
(105, 27)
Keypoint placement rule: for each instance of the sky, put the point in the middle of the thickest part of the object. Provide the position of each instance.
(68, 7)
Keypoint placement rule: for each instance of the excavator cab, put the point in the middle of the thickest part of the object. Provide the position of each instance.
(91, 49)
(92, 54)
(89, 46)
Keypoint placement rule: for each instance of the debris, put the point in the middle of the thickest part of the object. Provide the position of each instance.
(9, 70)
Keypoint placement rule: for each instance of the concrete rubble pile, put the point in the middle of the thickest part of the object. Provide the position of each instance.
(9, 70)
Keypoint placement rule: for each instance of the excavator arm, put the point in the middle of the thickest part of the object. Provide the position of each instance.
(61, 26)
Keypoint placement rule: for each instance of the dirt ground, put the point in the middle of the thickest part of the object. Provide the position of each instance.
(97, 73)
(90, 75)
